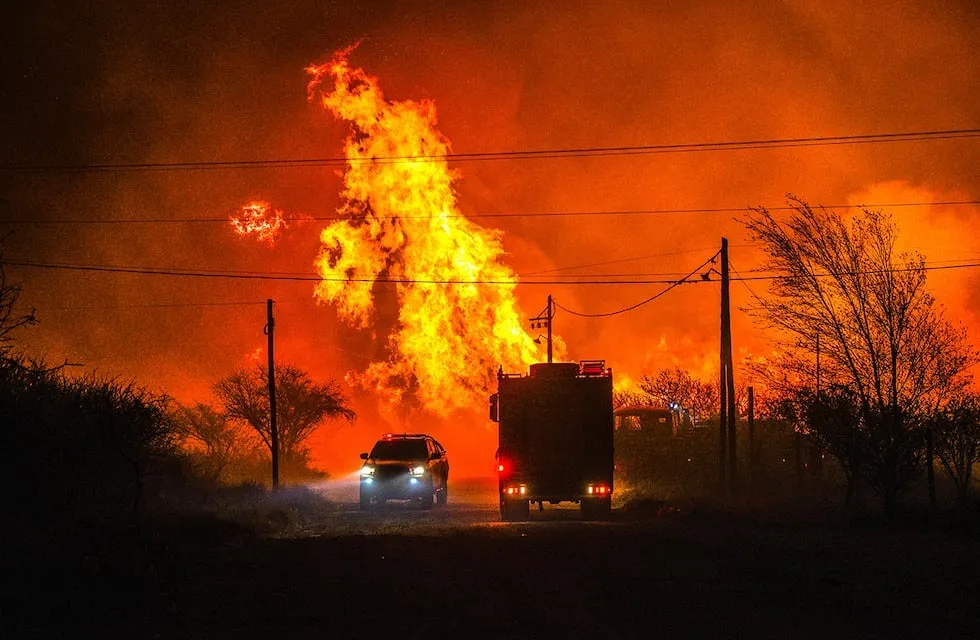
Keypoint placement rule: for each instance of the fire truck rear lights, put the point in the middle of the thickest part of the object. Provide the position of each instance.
(500, 468)
(592, 367)
(516, 491)
(597, 489)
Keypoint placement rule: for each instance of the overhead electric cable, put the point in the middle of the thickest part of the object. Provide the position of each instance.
(938, 267)
(642, 302)
(305, 278)
(596, 280)
(518, 214)
(608, 262)
(535, 154)
(739, 278)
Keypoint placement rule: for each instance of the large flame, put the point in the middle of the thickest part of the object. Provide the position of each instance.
(457, 316)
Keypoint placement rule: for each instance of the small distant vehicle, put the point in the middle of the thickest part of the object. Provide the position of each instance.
(661, 421)
(555, 428)
(406, 466)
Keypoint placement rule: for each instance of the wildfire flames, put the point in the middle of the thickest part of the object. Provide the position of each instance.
(260, 220)
(403, 229)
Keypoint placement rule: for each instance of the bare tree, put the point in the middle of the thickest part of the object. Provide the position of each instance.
(668, 386)
(677, 387)
(957, 435)
(704, 401)
(880, 333)
(629, 398)
(217, 441)
(301, 405)
(10, 320)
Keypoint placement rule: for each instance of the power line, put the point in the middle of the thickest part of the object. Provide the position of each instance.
(642, 302)
(930, 265)
(597, 280)
(306, 275)
(937, 267)
(537, 154)
(155, 305)
(517, 214)
(739, 278)
(608, 262)
(305, 278)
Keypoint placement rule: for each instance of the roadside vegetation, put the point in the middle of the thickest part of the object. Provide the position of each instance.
(93, 459)
(871, 393)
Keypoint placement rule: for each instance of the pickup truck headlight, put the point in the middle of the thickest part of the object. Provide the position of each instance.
(367, 472)
(418, 470)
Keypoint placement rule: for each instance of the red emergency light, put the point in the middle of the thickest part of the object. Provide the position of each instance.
(592, 367)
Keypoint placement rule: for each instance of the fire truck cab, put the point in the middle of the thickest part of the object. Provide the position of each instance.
(555, 437)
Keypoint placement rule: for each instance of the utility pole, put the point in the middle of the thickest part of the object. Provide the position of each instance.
(751, 418)
(723, 370)
(551, 314)
(543, 320)
(723, 413)
(731, 413)
(270, 329)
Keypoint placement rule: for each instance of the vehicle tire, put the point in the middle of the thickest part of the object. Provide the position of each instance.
(596, 508)
(589, 510)
(604, 507)
(523, 510)
(442, 497)
(426, 501)
(514, 511)
(365, 502)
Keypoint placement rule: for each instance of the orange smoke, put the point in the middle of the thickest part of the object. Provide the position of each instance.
(457, 317)
(259, 220)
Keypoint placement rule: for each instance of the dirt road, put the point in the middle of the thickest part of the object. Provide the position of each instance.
(457, 572)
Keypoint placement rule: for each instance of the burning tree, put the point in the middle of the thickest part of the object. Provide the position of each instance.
(845, 291)
(301, 406)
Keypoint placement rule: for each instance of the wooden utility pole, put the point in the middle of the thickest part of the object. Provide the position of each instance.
(751, 420)
(732, 418)
(543, 319)
(728, 369)
(722, 372)
(551, 314)
(270, 330)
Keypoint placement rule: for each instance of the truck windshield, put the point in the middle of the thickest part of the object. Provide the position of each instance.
(400, 450)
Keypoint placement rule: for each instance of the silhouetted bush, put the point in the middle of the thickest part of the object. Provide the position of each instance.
(85, 449)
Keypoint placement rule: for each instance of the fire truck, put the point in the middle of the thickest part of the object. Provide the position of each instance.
(555, 438)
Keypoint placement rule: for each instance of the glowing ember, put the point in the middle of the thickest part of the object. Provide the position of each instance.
(403, 227)
(260, 220)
